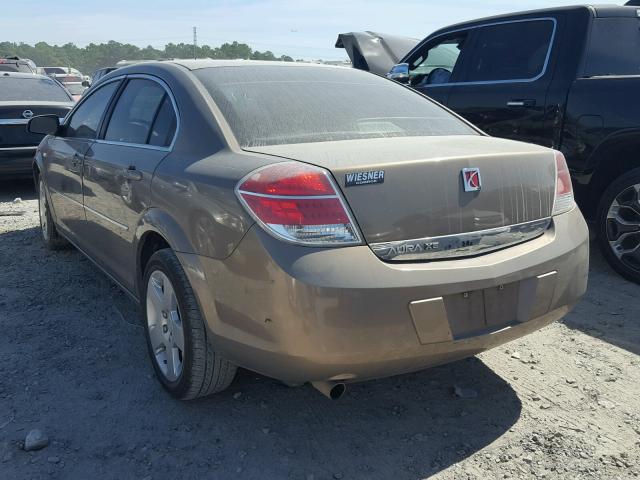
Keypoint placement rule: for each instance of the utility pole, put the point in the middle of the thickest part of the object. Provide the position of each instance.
(195, 42)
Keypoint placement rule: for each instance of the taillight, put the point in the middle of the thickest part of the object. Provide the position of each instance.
(564, 191)
(298, 203)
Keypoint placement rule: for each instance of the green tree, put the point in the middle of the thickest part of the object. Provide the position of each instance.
(98, 55)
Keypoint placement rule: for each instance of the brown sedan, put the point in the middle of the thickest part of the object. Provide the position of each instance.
(314, 224)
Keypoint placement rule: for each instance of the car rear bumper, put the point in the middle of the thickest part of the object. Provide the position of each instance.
(306, 314)
(17, 162)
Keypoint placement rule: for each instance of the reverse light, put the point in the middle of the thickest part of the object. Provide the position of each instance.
(298, 203)
(564, 190)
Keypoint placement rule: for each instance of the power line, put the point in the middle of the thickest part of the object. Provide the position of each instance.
(195, 43)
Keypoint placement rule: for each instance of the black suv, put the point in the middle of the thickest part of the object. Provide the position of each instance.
(566, 78)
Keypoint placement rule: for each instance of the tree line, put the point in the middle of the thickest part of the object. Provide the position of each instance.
(94, 56)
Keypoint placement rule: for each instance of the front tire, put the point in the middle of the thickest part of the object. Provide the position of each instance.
(50, 236)
(182, 356)
(618, 224)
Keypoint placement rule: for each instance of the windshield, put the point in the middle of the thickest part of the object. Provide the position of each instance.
(271, 105)
(50, 70)
(34, 89)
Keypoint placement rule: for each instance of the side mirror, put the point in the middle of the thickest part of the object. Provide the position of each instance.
(399, 73)
(44, 124)
(85, 83)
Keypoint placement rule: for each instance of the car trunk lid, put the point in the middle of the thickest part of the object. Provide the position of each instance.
(408, 193)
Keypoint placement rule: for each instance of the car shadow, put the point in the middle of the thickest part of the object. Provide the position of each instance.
(409, 426)
(77, 343)
(12, 189)
(610, 309)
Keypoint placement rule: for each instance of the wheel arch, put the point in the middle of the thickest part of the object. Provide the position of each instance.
(37, 166)
(616, 155)
(157, 230)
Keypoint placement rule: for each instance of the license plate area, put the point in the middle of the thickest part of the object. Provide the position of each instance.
(480, 312)
(494, 308)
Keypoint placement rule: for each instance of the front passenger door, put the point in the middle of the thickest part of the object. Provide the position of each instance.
(64, 156)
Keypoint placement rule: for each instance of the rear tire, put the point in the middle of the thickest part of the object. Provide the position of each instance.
(182, 356)
(50, 236)
(618, 225)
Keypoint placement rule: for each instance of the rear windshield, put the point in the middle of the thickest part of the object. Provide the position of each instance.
(271, 105)
(613, 47)
(35, 89)
(15, 67)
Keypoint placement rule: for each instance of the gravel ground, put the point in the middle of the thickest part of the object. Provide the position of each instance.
(561, 403)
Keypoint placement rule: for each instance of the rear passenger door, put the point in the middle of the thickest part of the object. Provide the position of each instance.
(505, 78)
(119, 167)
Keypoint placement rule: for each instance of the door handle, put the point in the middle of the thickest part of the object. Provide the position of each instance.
(530, 102)
(132, 174)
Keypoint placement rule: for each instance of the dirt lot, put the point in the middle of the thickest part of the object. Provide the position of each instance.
(561, 403)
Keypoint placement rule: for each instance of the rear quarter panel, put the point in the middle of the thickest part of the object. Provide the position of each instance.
(192, 203)
(198, 195)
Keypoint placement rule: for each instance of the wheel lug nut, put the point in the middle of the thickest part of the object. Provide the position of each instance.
(165, 329)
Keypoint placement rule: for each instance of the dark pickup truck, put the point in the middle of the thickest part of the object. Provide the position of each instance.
(567, 78)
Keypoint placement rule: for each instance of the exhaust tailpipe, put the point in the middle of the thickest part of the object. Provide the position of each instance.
(330, 390)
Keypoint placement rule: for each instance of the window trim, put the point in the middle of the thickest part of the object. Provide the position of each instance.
(111, 107)
(475, 28)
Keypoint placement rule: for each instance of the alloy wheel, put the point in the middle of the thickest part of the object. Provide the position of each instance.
(623, 226)
(166, 332)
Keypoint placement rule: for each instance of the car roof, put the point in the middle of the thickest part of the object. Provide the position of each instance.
(208, 63)
(23, 75)
(595, 10)
(157, 66)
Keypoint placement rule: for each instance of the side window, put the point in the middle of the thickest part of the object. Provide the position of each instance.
(510, 51)
(613, 47)
(437, 64)
(85, 120)
(164, 126)
(135, 112)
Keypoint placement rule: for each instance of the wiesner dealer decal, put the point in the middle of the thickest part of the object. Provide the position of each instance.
(364, 178)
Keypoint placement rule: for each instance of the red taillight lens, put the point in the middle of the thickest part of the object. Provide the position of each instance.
(564, 190)
(297, 211)
(289, 179)
(298, 203)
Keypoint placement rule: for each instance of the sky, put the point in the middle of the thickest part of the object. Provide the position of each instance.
(300, 28)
